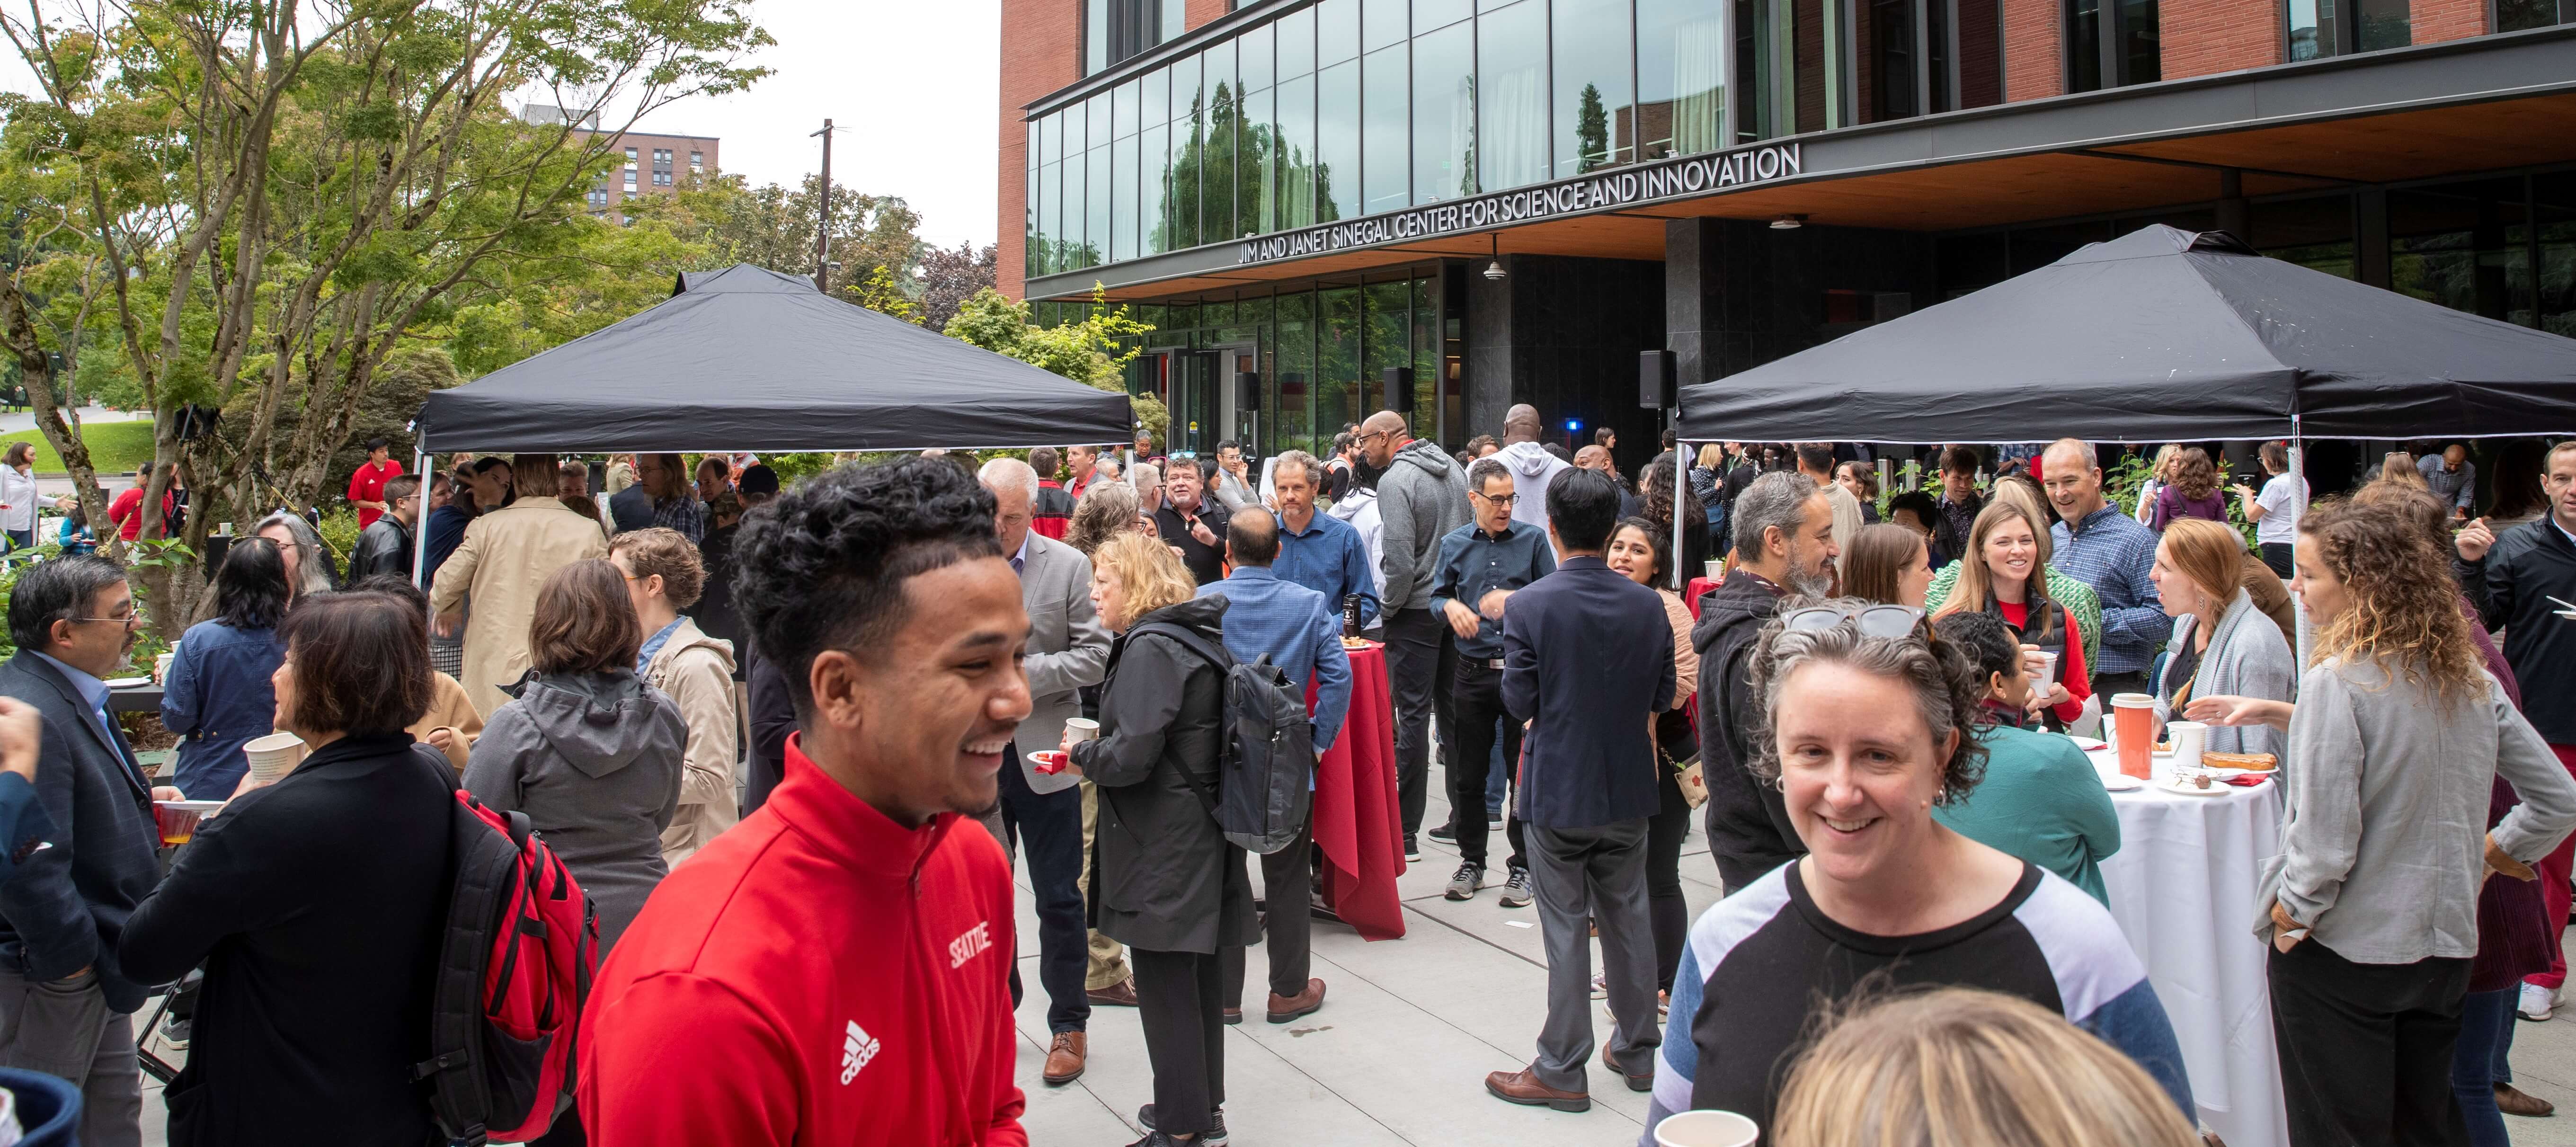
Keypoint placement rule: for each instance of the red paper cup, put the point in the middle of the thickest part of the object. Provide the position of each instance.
(2133, 727)
(178, 825)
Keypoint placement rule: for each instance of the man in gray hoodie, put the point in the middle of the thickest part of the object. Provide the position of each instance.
(1531, 465)
(1422, 496)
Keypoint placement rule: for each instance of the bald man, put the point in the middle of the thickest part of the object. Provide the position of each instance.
(1531, 465)
(1598, 458)
(2453, 478)
(1422, 497)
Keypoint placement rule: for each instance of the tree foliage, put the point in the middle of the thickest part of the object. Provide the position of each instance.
(1087, 352)
(259, 202)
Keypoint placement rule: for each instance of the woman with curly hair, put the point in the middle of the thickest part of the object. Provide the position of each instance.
(2371, 906)
(2192, 493)
(1656, 505)
(1104, 511)
(1867, 723)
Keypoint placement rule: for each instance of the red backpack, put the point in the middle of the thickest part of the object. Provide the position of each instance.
(522, 943)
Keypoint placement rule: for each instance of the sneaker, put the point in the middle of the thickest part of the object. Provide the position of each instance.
(1463, 886)
(1600, 985)
(1494, 821)
(174, 1032)
(1412, 848)
(1516, 891)
(1445, 834)
(1214, 1136)
(2536, 1002)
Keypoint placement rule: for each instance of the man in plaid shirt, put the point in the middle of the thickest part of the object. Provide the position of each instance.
(2098, 545)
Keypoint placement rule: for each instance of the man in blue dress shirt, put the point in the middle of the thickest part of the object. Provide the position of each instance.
(1319, 551)
(1267, 615)
(1481, 564)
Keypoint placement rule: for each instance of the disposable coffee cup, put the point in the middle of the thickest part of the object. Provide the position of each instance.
(2133, 728)
(2189, 738)
(2046, 674)
(273, 756)
(1712, 565)
(1082, 728)
(1706, 1129)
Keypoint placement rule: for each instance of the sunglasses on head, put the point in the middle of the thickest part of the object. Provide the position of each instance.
(1889, 621)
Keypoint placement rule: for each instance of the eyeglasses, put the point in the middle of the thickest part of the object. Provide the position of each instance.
(1884, 621)
(1507, 499)
(127, 620)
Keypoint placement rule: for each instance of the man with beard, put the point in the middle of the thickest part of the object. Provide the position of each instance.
(1784, 543)
(844, 952)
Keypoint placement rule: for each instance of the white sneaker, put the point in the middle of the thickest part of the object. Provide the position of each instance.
(2536, 1002)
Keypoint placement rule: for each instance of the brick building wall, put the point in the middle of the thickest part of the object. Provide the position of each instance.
(1201, 11)
(2032, 66)
(2439, 20)
(2205, 37)
(1041, 52)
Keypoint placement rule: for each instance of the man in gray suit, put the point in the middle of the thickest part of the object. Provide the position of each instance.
(66, 1007)
(1068, 649)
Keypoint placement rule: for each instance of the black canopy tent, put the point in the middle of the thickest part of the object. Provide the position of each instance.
(750, 359)
(2158, 335)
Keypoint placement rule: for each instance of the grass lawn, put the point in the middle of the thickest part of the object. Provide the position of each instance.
(114, 447)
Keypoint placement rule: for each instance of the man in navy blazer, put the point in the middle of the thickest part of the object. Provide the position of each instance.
(1587, 660)
(66, 1008)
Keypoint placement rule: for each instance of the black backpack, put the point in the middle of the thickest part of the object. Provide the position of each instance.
(1266, 755)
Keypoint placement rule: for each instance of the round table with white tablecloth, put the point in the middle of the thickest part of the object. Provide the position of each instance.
(2182, 887)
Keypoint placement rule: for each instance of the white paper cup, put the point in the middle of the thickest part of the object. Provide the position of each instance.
(1706, 1129)
(2046, 674)
(273, 756)
(2189, 739)
(1082, 728)
(1712, 565)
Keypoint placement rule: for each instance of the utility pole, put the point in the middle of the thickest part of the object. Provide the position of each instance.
(823, 216)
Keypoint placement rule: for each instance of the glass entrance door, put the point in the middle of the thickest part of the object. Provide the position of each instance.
(1193, 402)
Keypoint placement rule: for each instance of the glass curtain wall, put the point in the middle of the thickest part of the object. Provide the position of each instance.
(1337, 110)
(1444, 113)
(2340, 27)
(1596, 116)
(1511, 136)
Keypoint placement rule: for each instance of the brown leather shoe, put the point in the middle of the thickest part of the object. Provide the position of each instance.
(1065, 1059)
(2514, 1101)
(1118, 995)
(1286, 1008)
(1636, 1082)
(1233, 1016)
(1523, 1087)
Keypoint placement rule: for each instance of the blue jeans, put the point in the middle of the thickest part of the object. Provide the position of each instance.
(2478, 1063)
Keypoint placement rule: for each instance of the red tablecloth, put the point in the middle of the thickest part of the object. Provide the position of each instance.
(1698, 586)
(1356, 820)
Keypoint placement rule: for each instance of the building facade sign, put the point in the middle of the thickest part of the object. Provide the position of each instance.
(1670, 179)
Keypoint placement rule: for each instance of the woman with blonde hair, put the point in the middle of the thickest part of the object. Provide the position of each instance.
(2005, 572)
(2077, 597)
(2372, 905)
(2399, 467)
(1166, 883)
(2159, 472)
(2222, 642)
(1956, 1067)
(2193, 492)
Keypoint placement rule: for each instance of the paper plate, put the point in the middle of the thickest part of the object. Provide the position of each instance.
(125, 682)
(2180, 789)
(2088, 744)
(2122, 783)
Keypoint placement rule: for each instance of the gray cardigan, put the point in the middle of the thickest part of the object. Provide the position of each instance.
(2384, 844)
(2247, 657)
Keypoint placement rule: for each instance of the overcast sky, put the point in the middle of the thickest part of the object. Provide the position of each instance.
(912, 87)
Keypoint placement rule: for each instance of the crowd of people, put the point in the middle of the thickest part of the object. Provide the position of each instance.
(753, 724)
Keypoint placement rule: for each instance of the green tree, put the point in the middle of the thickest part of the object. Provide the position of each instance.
(1591, 131)
(1088, 352)
(266, 199)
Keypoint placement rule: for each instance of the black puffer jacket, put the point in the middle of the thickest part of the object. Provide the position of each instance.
(2512, 587)
(1165, 878)
(1748, 822)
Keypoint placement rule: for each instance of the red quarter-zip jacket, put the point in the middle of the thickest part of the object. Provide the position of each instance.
(817, 975)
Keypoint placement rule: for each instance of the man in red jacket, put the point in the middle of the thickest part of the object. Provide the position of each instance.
(834, 969)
